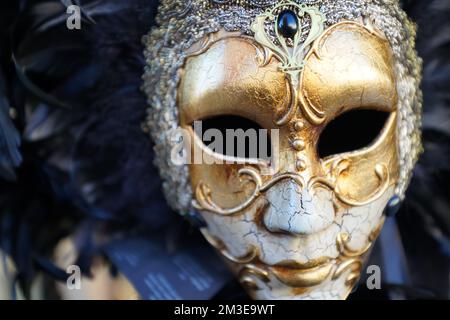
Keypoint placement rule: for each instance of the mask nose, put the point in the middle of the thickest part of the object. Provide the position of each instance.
(296, 210)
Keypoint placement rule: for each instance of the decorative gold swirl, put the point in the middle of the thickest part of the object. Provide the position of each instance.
(203, 200)
(354, 265)
(350, 259)
(298, 275)
(341, 242)
(293, 106)
(338, 168)
(291, 55)
(249, 271)
(310, 111)
(203, 192)
(291, 59)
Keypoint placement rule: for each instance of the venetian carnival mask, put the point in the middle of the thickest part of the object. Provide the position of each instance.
(333, 85)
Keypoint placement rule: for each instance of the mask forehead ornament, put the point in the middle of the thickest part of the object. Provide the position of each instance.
(305, 229)
(287, 30)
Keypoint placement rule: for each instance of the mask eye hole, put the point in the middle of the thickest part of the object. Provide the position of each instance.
(351, 131)
(234, 136)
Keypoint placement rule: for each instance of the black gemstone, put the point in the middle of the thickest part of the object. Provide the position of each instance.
(287, 24)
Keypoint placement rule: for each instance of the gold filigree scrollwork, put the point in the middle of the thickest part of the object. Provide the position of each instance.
(290, 52)
(354, 265)
(249, 271)
(350, 259)
(291, 56)
(332, 182)
(247, 276)
(203, 199)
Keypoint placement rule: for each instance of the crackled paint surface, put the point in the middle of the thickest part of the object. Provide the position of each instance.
(241, 232)
(294, 217)
(298, 211)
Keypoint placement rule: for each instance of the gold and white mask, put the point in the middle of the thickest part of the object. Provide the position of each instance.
(337, 81)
